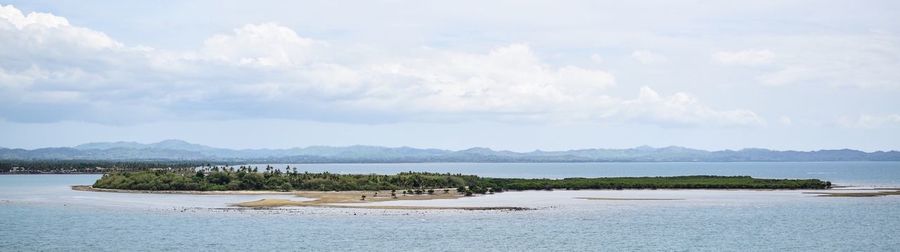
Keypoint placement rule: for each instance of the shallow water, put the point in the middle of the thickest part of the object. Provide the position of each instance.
(40, 212)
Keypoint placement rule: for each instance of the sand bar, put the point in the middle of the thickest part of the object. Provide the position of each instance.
(325, 199)
(602, 198)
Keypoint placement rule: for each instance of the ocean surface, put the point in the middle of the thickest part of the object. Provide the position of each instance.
(41, 213)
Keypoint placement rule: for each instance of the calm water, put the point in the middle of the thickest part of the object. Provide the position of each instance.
(847, 173)
(39, 212)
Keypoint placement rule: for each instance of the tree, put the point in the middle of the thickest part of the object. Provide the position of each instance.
(287, 187)
(218, 178)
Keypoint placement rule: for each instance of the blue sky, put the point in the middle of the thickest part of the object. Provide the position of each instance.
(517, 75)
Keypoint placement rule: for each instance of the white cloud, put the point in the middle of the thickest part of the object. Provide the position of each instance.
(268, 70)
(507, 79)
(40, 29)
(647, 57)
(20, 21)
(683, 109)
(266, 44)
(744, 57)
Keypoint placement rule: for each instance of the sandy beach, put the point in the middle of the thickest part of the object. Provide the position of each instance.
(325, 199)
(875, 192)
(599, 198)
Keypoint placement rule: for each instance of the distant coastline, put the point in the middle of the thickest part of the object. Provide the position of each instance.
(38, 167)
(181, 151)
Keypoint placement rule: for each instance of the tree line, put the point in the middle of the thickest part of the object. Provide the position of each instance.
(246, 178)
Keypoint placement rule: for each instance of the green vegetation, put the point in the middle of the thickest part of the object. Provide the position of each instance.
(678, 182)
(246, 178)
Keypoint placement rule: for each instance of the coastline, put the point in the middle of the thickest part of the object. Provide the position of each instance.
(274, 203)
(875, 192)
(606, 198)
(322, 199)
(265, 192)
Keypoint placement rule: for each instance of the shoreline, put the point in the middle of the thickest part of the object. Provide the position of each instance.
(277, 203)
(268, 192)
(320, 199)
(876, 192)
(605, 198)
(358, 199)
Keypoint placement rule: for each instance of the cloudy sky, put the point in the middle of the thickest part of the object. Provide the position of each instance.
(517, 75)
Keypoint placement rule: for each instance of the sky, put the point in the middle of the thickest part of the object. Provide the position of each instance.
(512, 75)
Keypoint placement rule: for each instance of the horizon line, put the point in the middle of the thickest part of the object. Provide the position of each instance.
(456, 150)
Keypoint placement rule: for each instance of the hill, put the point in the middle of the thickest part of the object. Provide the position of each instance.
(181, 150)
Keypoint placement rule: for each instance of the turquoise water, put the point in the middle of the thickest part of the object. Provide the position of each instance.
(39, 212)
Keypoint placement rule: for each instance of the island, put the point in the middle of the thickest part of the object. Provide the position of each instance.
(334, 190)
(421, 182)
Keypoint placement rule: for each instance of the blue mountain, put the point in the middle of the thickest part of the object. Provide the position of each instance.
(181, 150)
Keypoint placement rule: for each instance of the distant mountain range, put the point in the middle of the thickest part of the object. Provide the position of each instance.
(181, 150)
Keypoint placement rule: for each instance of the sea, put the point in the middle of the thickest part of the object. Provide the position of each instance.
(42, 213)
